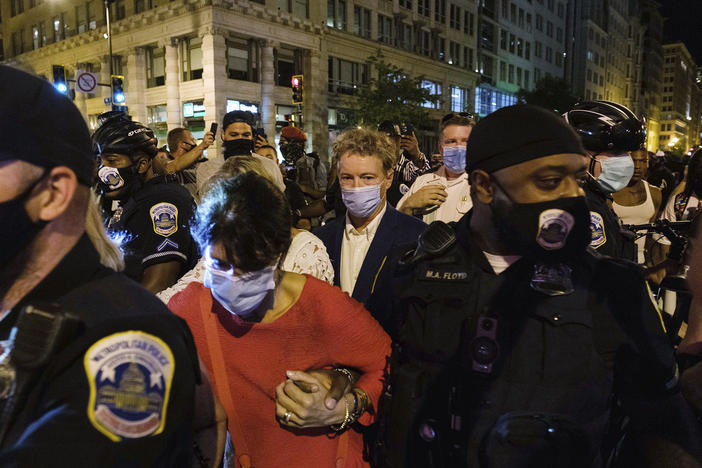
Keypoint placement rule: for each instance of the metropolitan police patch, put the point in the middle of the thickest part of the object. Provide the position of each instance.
(130, 376)
(599, 236)
(164, 217)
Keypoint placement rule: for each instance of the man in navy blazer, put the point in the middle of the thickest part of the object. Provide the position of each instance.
(360, 243)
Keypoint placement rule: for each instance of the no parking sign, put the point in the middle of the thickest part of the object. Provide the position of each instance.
(86, 82)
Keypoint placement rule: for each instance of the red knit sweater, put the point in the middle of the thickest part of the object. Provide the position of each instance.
(325, 327)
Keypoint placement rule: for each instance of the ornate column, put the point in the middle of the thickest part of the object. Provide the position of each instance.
(268, 87)
(214, 79)
(136, 84)
(173, 76)
(315, 109)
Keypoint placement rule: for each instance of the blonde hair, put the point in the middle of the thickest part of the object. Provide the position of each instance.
(109, 251)
(235, 166)
(366, 142)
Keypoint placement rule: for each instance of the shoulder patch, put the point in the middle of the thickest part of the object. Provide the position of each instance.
(164, 217)
(599, 237)
(130, 375)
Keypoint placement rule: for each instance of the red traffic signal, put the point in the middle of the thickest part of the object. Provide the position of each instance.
(296, 85)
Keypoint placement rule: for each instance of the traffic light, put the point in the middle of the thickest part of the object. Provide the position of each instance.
(60, 78)
(117, 89)
(296, 84)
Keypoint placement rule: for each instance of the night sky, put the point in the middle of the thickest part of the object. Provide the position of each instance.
(684, 24)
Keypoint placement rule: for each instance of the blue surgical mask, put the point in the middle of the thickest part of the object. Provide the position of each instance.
(455, 158)
(616, 173)
(240, 294)
(361, 201)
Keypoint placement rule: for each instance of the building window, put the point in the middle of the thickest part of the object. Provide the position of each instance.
(81, 18)
(510, 73)
(468, 19)
(118, 10)
(527, 50)
(559, 35)
(155, 67)
(503, 39)
(561, 10)
(550, 4)
(242, 60)
(468, 58)
(58, 29)
(435, 89)
(538, 49)
(559, 59)
(93, 8)
(440, 11)
(424, 8)
(142, 5)
(406, 4)
(406, 37)
(539, 22)
(549, 29)
(455, 17)
(505, 7)
(42, 34)
(519, 77)
(520, 47)
(346, 77)
(521, 17)
(191, 52)
(513, 13)
(287, 63)
(385, 29)
(459, 99)
(299, 8)
(336, 14)
(526, 79)
(512, 43)
(361, 21)
(17, 43)
(16, 7)
(35, 37)
(549, 55)
(503, 71)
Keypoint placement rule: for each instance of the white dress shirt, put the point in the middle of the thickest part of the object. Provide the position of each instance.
(458, 201)
(354, 247)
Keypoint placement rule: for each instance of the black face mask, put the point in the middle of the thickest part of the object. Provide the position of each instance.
(547, 231)
(238, 147)
(292, 151)
(111, 179)
(16, 227)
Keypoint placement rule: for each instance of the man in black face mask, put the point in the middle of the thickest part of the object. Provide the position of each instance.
(75, 334)
(508, 325)
(238, 140)
(150, 214)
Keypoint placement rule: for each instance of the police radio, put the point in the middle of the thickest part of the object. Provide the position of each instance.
(41, 332)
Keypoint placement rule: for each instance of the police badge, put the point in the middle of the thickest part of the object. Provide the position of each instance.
(130, 376)
(164, 217)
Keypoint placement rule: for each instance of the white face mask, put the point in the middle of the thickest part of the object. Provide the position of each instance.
(361, 201)
(616, 173)
(239, 294)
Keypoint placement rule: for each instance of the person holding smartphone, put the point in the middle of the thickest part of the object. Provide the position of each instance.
(184, 153)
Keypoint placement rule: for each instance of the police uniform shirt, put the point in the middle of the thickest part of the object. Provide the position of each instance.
(607, 237)
(155, 224)
(458, 201)
(557, 354)
(120, 393)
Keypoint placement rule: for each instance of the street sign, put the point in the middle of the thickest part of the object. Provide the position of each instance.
(86, 82)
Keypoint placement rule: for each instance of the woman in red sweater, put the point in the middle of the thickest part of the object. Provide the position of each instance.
(253, 323)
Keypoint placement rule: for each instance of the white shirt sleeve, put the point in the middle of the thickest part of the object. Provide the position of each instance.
(307, 255)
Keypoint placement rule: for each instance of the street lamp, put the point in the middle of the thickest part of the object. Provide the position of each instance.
(109, 41)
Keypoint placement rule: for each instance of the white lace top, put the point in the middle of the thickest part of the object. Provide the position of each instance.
(306, 254)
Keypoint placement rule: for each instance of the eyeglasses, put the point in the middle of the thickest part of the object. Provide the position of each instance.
(452, 115)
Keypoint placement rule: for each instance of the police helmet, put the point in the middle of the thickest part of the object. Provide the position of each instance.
(606, 126)
(119, 135)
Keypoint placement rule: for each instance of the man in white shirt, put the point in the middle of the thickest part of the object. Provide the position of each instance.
(445, 194)
(359, 243)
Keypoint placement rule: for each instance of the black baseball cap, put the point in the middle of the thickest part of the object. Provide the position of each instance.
(42, 126)
(238, 116)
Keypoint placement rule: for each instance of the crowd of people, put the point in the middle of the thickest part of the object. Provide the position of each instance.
(488, 305)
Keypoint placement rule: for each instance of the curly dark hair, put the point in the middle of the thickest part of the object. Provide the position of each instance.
(249, 216)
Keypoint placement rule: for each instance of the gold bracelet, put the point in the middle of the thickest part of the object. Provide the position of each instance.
(347, 373)
(347, 418)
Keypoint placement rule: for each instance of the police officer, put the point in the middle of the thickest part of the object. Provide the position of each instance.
(512, 335)
(152, 214)
(608, 131)
(94, 370)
